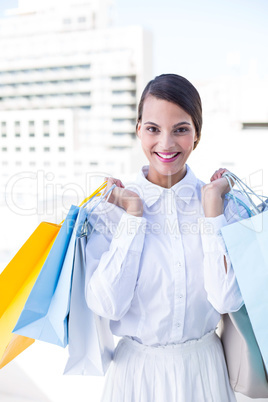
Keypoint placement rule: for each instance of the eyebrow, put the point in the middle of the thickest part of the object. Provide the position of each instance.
(175, 125)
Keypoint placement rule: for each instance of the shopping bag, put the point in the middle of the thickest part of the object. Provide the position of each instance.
(91, 341)
(16, 282)
(45, 313)
(44, 316)
(16, 345)
(246, 242)
(248, 251)
(245, 366)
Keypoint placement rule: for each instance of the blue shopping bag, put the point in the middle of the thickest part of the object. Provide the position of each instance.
(44, 316)
(246, 242)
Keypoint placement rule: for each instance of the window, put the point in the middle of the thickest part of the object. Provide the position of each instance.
(32, 149)
(46, 149)
(62, 164)
(46, 135)
(81, 19)
(18, 149)
(3, 135)
(3, 124)
(31, 134)
(61, 149)
(93, 163)
(66, 21)
(18, 163)
(254, 126)
(46, 163)
(4, 149)
(61, 122)
(46, 122)
(17, 134)
(17, 123)
(4, 163)
(61, 134)
(31, 123)
(32, 163)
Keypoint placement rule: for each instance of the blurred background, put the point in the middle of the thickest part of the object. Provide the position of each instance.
(71, 74)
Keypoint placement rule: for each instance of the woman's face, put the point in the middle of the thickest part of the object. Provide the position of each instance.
(167, 135)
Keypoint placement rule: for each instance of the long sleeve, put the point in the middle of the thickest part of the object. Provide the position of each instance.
(112, 264)
(220, 282)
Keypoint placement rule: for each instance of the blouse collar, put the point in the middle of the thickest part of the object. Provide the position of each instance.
(151, 192)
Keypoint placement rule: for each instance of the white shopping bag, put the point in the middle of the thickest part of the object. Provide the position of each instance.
(91, 341)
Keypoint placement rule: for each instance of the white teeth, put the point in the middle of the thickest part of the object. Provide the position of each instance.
(167, 156)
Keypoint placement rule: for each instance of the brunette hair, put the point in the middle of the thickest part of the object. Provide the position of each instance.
(176, 89)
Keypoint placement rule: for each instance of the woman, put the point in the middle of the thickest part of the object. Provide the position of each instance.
(157, 266)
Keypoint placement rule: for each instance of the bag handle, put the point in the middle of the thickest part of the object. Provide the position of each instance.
(245, 190)
(96, 193)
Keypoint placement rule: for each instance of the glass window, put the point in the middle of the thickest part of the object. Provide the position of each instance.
(32, 149)
(46, 134)
(61, 134)
(61, 149)
(252, 126)
(46, 149)
(46, 122)
(18, 149)
(4, 149)
(31, 123)
(31, 134)
(17, 123)
(61, 122)
(17, 134)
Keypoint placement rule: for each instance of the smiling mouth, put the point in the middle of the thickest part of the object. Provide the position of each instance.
(167, 157)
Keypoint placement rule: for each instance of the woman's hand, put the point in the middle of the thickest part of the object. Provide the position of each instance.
(126, 199)
(213, 194)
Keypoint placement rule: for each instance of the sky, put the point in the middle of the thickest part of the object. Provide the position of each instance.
(200, 39)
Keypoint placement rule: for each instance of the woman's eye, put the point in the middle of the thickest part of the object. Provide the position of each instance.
(181, 130)
(153, 129)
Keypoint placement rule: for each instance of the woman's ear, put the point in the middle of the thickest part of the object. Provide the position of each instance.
(138, 129)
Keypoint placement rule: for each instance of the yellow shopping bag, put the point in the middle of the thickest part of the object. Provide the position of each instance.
(16, 282)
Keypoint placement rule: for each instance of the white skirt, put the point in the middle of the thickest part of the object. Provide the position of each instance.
(194, 371)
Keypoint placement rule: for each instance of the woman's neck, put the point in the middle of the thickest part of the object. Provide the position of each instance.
(166, 181)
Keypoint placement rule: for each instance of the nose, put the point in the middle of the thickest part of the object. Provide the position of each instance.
(166, 141)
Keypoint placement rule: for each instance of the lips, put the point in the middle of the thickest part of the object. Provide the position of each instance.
(167, 156)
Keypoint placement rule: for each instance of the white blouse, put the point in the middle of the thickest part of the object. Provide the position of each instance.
(161, 278)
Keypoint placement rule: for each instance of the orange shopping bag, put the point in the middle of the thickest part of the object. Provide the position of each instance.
(16, 282)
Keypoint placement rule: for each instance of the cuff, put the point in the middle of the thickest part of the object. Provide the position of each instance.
(210, 233)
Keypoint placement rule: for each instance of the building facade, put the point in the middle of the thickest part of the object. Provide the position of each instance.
(69, 84)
